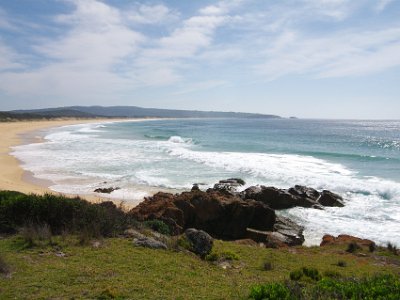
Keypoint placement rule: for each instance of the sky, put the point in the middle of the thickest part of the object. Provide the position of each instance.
(304, 58)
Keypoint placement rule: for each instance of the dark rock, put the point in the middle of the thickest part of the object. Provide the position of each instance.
(305, 192)
(220, 214)
(292, 231)
(106, 190)
(286, 233)
(228, 186)
(200, 240)
(148, 242)
(298, 195)
(195, 187)
(277, 198)
(330, 199)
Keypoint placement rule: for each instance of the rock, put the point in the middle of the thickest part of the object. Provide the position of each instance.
(200, 240)
(344, 239)
(229, 185)
(277, 198)
(330, 199)
(221, 215)
(305, 192)
(108, 190)
(286, 233)
(298, 195)
(148, 242)
(195, 187)
(132, 233)
(292, 231)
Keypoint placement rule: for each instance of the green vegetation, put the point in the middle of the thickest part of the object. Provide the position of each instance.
(159, 226)
(56, 248)
(60, 214)
(384, 286)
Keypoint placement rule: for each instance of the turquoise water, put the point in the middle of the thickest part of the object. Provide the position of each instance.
(358, 159)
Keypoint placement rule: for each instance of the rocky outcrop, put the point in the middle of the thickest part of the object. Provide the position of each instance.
(220, 214)
(344, 239)
(201, 242)
(296, 196)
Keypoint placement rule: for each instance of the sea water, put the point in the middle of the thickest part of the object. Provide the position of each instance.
(360, 160)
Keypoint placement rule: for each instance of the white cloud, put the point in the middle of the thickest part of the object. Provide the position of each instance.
(151, 14)
(340, 55)
(382, 4)
(8, 58)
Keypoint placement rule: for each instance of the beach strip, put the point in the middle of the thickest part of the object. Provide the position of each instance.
(12, 176)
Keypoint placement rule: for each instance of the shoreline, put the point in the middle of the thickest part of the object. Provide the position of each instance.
(12, 175)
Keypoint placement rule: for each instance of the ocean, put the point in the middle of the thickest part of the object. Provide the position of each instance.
(359, 160)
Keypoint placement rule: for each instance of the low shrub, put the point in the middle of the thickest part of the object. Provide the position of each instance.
(60, 214)
(341, 263)
(386, 286)
(353, 247)
(4, 267)
(272, 291)
(392, 248)
(35, 235)
(220, 256)
(159, 226)
(305, 272)
(267, 266)
(372, 247)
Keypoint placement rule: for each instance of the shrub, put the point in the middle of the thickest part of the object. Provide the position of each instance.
(224, 255)
(60, 214)
(35, 235)
(392, 248)
(4, 267)
(353, 247)
(341, 263)
(372, 247)
(310, 273)
(159, 226)
(296, 275)
(267, 266)
(332, 274)
(273, 291)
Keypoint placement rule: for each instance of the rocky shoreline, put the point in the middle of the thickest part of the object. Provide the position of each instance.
(227, 214)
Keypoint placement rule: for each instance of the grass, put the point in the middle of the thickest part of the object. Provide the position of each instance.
(117, 269)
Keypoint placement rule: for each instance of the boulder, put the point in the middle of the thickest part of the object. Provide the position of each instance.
(148, 242)
(330, 199)
(200, 241)
(132, 233)
(305, 192)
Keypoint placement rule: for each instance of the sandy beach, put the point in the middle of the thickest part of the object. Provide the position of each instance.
(12, 176)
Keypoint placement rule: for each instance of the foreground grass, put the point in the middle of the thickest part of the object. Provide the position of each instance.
(117, 269)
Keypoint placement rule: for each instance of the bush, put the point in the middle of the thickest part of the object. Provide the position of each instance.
(224, 255)
(310, 273)
(4, 268)
(267, 266)
(353, 247)
(34, 235)
(372, 247)
(159, 226)
(392, 248)
(60, 214)
(385, 286)
(341, 263)
(273, 291)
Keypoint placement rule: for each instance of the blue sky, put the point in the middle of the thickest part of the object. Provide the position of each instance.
(306, 58)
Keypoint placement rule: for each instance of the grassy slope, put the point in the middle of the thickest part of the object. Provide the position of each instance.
(122, 270)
